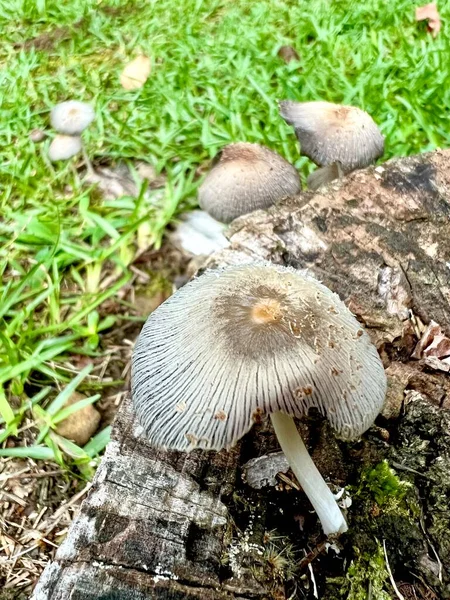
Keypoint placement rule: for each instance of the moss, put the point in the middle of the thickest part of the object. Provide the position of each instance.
(157, 283)
(366, 577)
(383, 486)
(367, 573)
(385, 507)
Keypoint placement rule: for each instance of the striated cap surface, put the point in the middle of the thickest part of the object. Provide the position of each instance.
(246, 177)
(239, 343)
(330, 133)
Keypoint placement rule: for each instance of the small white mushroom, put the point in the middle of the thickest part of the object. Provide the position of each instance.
(246, 177)
(64, 147)
(240, 343)
(330, 133)
(71, 117)
(199, 234)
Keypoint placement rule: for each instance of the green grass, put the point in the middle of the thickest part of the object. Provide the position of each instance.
(216, 78)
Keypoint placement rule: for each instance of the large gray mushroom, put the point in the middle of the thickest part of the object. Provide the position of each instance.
(243, 342)
(245, 178)
(332, 133)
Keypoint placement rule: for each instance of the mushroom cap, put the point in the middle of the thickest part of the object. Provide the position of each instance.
(330, 133)
(238, 343)
(71, 117)
(246, 177)
(64, 147)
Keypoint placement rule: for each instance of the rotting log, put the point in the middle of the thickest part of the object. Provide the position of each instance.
(171, 526)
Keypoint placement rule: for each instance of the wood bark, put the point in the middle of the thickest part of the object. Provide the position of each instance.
(167, 525)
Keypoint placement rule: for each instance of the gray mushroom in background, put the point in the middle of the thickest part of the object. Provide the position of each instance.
(70, 119)
(246, 177)
(64, 147)
(243, 342)
(332, 133)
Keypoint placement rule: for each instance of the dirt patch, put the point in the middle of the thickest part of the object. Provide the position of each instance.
(48, 41)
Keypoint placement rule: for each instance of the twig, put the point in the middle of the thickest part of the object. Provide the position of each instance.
(288, 481)
(57, 516)
(24, 474)
(29, 549)
(17, 474)
(422, 525)
(401, 467)
(388, 567)
(313, 579)
(308, 558)
(13, 498)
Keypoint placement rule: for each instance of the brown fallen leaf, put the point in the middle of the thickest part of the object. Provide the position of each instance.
(439, 347)
(288, 54)
(81, 425)
(428, 335)
(433, 343)
(136, 73)
(429, 12)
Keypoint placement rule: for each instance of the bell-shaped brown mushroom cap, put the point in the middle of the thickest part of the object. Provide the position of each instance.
(71, 117)
(330, 133)
(245, 178)
(241, 342)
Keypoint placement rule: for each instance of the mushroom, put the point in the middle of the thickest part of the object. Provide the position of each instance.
(242, 342)
(246, 177)
(330, 133)
(64, 147)
(70, 119)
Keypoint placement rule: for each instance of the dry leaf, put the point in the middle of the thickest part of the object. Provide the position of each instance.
(433, 343)
(439, 347)
(136, 73)
(428, 335)
(429, 12)
(288, 54)
(81, 425)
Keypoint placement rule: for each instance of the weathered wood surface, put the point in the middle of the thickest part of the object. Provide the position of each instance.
(162, 525)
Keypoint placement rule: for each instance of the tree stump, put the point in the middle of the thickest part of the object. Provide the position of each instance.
(166, 525)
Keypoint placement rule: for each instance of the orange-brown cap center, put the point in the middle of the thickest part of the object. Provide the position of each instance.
(266, 311)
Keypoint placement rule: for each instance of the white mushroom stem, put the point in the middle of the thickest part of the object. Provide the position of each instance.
(310, 479)
(87, 161)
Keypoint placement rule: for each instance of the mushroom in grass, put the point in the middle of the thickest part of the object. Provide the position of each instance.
(239, 343)
(244, 178)
(64, 147)
(331, 133)
(71, 118)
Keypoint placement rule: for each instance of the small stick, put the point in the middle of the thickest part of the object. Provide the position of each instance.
(57, 516)
(394, 585)
(316, 595)
(87, 161)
